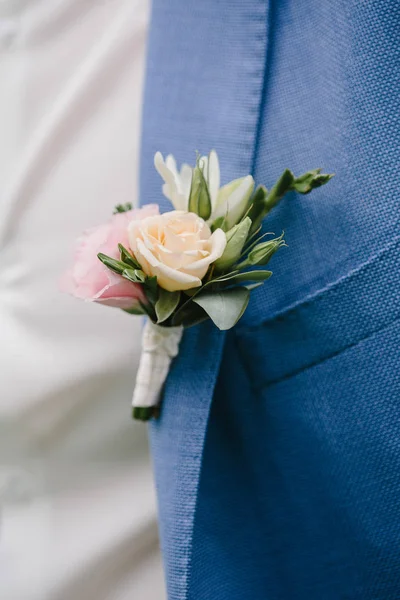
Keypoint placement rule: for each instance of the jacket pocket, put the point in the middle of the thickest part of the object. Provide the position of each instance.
(325, 324)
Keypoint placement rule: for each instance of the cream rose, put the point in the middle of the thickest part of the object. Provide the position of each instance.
(177, 247)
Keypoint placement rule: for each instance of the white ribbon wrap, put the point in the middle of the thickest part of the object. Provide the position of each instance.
(159, 346)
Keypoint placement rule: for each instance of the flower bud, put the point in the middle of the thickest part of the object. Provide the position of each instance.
(263, 252)
(235, 240)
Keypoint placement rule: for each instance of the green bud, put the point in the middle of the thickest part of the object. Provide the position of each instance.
(263, 202)
(310, 181)
(235, 241)
(121, 208)
(263, 252)
(199, 199)
(256, 211)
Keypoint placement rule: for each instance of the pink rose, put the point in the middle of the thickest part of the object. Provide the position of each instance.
(92, 281)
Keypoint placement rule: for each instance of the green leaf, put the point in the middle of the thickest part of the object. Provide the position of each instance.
(199, 199)
(166, 304)
(151, 290)
(310, 181)
(111, 263)
(135, 310)
(224, 308)
(281, 187)
(134, 275)
(189, 315)
(253, 286)
(265, 204)
(127, 257)
(254, 240)
(148, 310)
(256, 275)
(121, 208)
(287, 182)
(235, 240)
(262, 253)
(183, 315)
(256, 210)
(219, 223)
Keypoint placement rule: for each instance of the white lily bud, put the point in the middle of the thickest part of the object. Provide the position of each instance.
(233, 200)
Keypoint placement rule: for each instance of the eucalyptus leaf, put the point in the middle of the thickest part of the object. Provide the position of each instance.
(224, 308)
(256, 275)
(166, 304)
(253, 286)
(191, 314)
(150, 288)
(148, 310)
(222, 282)
(135, 310)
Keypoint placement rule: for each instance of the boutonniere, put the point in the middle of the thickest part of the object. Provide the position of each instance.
(199, 261)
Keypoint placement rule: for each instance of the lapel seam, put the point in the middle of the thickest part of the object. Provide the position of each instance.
(264, 52)
(266, 62)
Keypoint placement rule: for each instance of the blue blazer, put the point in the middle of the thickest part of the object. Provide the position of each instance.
(277, 454)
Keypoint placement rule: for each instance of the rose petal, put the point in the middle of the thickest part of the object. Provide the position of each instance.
(89, 279)
(168, 278)
(218, 244)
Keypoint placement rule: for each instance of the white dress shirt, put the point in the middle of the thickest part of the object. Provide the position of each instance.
(77, 499)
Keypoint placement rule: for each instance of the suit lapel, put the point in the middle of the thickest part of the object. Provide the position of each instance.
(205, 75)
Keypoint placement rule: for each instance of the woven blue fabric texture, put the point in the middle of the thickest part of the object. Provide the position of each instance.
(277, 451)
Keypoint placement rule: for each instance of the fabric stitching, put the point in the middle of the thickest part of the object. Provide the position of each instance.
(323, 293)
(370, 334)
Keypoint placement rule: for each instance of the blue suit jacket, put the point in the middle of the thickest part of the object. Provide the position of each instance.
(277, 454)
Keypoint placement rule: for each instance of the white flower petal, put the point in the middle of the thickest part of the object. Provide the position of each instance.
(213, 177)
(166, 190)
(169, 173)
(133, 232)
(172, 280)
(186, 182)
(171, 165)
(217, 246)
(180, 202)
(233, 199)
(163, 170)
(203, 164)
(168, 278)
